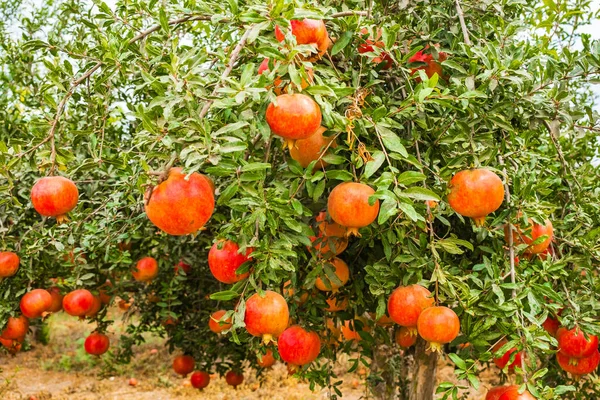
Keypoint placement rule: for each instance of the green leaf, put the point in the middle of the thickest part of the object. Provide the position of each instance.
(225, 295)
(420, 193)
(342, 42)
(391, 141)
(409, 177)
(372, 166)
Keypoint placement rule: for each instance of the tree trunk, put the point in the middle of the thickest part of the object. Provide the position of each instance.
(422, 385)
(385, 389)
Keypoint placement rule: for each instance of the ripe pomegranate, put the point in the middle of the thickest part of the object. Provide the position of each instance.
(57, 299)
(342, 272)
(348, 205)
(336, 304)
(215, 325)
(9, 264)
(200, 379)
(495, 393)
(293, 116)
(432, 67)
(16, 328)
(580, 366)
(551, 326)
(513, 394)
(103, 292)
(36, 303)
(312, 148)
(180, 206)
(224, 258)
(183, 365)
(573, 343)
(406, 304)
(146, 270)
(54, 196)
(369, 46)
(404, 337)
(12, 346)
(96, 344)
(132, 382)
(266, 360)
(501, 362)
(438, 325)
(187, 268)
(95, 308)
(264, 67)
(298, 346)
(475, 193)
(308, 31)
(528, 237)
(234, 378)
(266, 316)
(78, 302)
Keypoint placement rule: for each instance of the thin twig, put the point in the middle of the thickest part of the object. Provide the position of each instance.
(511, 247)
(177, 21)
(566, 167)
(349, 13)
(463, 25)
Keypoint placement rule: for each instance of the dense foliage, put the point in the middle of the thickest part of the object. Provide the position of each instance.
(113, 96)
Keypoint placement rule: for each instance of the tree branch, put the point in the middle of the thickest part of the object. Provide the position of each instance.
(463, 25)
(349, 13)
(552, 130)
(177, 21)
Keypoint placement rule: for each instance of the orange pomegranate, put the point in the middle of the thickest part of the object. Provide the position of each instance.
(57, 299)
(298, 346)
(404, 338)
(36, 303)
(224, 258)
(216, 325)
(183, 364)
(312, 149)
(267, 316)
(341, 271)
(9, 264)
(495, 393)
(78, 302)
(16, 328)
(438, 325)
(502, 361)
(579, 366)
(54, 196)
(103, 292)
(180, 206)
(348, 205)
(234, 378)
(574, 343)
(369, 46)
(406, 304)
(308, 31)
(12, 346)
(146, 270)
(266, 360)
(200, 379)
(95, 308)
(96, 344)
(530, 235)
(293, 117)
(475, 193)
(290, 292)
(513, 394)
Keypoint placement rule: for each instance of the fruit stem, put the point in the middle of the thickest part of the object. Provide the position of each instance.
(479, 221)
(435, 347)
(412, 330)
(268, 338)
(61, 219)
(352, 231)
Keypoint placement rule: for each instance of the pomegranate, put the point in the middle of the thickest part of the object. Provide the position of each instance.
(78, 302)
(180, 206)
(214, 322)
(341, 271)
(200, 379)
(551, 326)
(187, 268)
(132, 382)
(573, 343)
(438, 325)
(335, 304)
(432, 66)
(95, 308)
(266, 360)
(348, 205)
(9, 264)
(103, 292)
(12, 346)
(146, 270)
(495, 393)
(57, 299)
(404, 337)
(54, 196)
(475, 193)
(210, 182)
(330, 236)
(580, 366)
(298, 346)
(512, 393)
(234, 378)
(293, 116)
(406, 304)
(312, 149)
(183, 365)
(266, 316)
(264, 67)
(369, 46)
(96, 344)
(16, 328)
(224, 258)
(501, 362)
(308, 31)
(290, 292)
(36, 303)
(531, 235)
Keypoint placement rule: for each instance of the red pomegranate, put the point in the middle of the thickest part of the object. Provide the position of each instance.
(36, 303)
(312, 149)
(180, 206)
(406, 304)
(513, 394)
(78, 302)
(183, 365)
(432, 66)
(579, 366)
(348, 205)
(533, 232)
(146, 270)
(57, 299)
(266, 316)
(234, 378)
(104, 292)
(475, 193)
(96, 344)
(200, 379)
(54, 196)
(551, 326)
(369, 46)
(215, 325)
(438, 325)
(266, 360)
(342, 272)
(16, 328)
(298, 346)
(224, 258)
(187, 268)
(501, 362)
(308, 31)
(9, 264)
(12, 346)
(404, 337)
(573, 343)
(293, 116)
(95, 308)
(495, 393)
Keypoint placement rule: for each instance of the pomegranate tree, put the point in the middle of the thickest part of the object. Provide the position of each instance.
(348, 205)
(266, 316)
